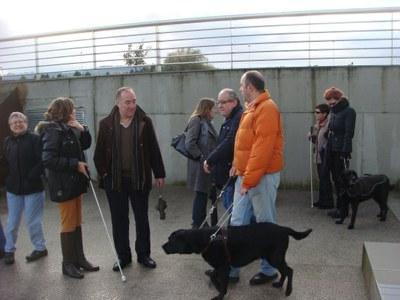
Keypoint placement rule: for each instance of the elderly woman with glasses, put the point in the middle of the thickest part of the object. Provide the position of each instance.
(25, 194)
(319, 137)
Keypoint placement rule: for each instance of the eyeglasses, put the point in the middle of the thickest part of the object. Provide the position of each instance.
(222, 102)
(317, 112)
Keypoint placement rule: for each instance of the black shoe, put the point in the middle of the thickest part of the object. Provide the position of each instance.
(232, 280)
(261, 278)
(316, 204)
(122, 263)
(1, 254)
(147, 262)
(9, 258)
(36, 254)
(71, 270)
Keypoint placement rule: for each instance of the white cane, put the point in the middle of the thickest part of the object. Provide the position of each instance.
(123, 277)
(311, 169)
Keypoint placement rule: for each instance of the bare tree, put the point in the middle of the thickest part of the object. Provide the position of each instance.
(135, 57)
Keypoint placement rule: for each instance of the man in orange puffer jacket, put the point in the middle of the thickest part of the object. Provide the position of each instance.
(258, 160)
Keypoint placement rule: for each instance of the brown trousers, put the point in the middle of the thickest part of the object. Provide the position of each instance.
(71, 214)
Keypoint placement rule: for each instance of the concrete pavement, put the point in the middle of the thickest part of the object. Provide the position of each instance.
(327, 264)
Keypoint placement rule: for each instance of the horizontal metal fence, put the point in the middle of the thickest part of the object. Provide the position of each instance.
(294, 39)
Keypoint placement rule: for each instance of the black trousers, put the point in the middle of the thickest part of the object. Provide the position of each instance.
(336, 166)
(325, 183)
(119, 208)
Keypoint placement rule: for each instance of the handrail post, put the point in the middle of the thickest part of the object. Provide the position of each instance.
(158, 53)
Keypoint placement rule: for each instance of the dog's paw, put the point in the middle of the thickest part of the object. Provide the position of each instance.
(339, 222)
(382, 219)
(350, 227)
(219, 297)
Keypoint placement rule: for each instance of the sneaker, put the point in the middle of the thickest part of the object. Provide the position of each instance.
(261, 278)
(9, 258)
(36, 254)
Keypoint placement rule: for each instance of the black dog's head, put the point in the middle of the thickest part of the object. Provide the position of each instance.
(349, 178)
(187, 241)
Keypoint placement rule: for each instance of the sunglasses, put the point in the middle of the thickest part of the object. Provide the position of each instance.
(223, 102)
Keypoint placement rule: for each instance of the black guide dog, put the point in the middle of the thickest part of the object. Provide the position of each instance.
(237, 246)
(358, 189)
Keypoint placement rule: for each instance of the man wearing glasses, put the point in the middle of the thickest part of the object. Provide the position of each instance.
(220, 160)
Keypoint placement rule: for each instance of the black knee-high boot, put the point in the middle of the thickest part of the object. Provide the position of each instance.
(69, 255)
(81, 259)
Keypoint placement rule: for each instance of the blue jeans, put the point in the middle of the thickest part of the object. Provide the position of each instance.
(2, 238)
(32, 206)
(260, 202)
(227, 196)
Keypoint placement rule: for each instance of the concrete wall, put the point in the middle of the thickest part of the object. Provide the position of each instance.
(169, 98)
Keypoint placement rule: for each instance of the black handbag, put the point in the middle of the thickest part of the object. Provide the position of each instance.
(178, 143)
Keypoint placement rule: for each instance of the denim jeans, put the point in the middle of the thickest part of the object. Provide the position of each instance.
(32, 207)
(260, 202)
(2, 238)
(227, 196)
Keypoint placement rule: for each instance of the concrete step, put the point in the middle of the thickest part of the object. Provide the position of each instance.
(381, 270)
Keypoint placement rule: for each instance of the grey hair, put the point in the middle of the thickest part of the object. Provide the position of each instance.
(121, 90)
(17, 115)
(231, 94)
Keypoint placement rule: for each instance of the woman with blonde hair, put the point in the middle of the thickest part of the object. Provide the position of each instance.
(64, 140)
(201, 139)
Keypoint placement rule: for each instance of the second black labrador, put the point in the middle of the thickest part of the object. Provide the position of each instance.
(359, 189)
(237, 246)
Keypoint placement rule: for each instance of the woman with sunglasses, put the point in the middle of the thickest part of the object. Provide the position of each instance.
(319, 138)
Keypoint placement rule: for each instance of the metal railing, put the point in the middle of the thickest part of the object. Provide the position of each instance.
(317, 38)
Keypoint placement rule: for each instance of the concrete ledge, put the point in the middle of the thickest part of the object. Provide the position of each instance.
(381, 270)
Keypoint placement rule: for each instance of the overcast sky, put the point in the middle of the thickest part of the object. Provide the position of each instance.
(42, 16)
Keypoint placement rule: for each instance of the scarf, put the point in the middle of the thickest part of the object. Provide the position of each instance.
(137, 177)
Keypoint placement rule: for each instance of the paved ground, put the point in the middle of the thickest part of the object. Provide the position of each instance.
(327, 264)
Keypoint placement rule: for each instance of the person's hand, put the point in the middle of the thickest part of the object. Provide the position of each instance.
(243, 190)
(82, 168)
(206, 167)
(74, 123)
(232, 172)
(159, 182)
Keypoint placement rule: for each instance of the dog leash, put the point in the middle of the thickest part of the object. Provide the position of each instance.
(214, 206)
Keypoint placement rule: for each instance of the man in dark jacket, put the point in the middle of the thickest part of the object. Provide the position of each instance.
(340, 135)
(219, 161)
(126, 153)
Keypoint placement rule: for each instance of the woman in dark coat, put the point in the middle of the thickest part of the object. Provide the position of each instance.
(201, 139)
(64, 140)
(340, 136)
(319, 138)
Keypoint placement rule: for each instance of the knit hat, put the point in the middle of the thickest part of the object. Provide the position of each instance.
(334, 93)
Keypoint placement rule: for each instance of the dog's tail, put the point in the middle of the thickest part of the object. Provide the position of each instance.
(299, 235)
